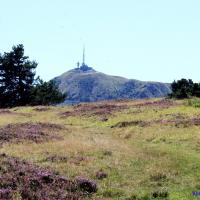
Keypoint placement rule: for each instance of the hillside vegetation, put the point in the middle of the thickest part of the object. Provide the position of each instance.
(90, 86)
(142, 149)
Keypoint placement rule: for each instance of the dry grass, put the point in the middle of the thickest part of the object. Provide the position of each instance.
(141, 160)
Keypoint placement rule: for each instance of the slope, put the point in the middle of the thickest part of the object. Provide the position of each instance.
(90, 85)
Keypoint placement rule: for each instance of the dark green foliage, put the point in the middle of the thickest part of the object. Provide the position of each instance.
(185, 89)
(160, 194)
(16, 77)
(196, 90)
(46, 93)
(17, 84)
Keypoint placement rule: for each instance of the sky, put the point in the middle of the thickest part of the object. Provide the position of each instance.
(150, 40)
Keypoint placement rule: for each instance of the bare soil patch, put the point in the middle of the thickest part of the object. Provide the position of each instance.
(32, 182)
(36, 132)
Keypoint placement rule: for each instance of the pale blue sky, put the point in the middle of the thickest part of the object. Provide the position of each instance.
(156, 40)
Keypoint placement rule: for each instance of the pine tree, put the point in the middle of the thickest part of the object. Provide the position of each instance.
(16, 77)
(46, 93)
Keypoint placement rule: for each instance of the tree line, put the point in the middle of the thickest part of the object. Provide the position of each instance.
(20, 87)
(18, 84)
(185, 88)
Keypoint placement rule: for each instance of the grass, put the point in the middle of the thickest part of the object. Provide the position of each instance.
(194, 102)
(157, 161)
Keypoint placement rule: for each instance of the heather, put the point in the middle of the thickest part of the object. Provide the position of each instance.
(122, 149)
(22, 180)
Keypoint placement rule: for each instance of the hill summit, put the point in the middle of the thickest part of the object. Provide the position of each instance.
(84, 84)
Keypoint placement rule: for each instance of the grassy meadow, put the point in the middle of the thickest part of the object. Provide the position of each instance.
(134, 150)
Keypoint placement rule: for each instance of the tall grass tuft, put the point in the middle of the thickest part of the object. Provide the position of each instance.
(194, 102)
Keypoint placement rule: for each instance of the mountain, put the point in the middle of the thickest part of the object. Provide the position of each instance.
(84, 84)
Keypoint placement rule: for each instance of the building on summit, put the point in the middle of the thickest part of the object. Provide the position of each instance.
(83, 66)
